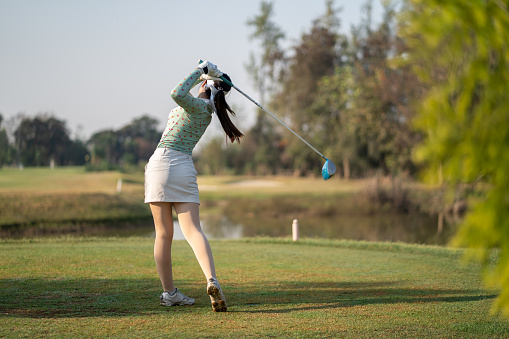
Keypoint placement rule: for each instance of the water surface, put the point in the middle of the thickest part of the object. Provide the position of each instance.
(408, 228)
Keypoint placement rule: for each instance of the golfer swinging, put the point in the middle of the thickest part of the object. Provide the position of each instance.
(170, 178)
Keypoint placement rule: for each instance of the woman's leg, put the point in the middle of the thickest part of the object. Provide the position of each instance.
(163, 221)
(189, 219)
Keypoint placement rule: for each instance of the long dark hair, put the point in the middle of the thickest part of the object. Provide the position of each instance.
(222, 110)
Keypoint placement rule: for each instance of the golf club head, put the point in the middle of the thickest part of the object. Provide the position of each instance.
(328, 169)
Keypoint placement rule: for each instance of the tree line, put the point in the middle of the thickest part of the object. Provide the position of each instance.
(45, 140)
(344, 93)
(352, 96)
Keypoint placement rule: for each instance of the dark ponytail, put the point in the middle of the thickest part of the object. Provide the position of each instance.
(222, 110)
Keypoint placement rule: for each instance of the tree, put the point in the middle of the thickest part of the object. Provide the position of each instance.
(366, 101)
(340, 133)
(131, 144)
(139, 139)
(6, 150)
(460, 50)
(42, 140)
(76, 153)
(382, 94)
(266, 70)
(105, 149)
(315, 57)
(211, 159)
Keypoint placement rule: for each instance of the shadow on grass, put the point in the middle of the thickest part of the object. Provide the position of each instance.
(65, 298)
(282, 297)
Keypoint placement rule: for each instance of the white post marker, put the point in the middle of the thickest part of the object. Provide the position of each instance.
(295, 230)
(119, 185)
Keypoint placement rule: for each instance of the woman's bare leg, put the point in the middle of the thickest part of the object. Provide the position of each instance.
(189, 219)
(163, 221)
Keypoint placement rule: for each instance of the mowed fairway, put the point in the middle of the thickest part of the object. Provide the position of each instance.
(97, 287)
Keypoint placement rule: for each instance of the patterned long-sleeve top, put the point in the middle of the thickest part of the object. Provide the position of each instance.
(188, 122)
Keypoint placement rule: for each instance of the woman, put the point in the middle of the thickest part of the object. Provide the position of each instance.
(170, 179)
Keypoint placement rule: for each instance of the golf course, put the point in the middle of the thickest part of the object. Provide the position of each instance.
(88, 286)
(331, 169)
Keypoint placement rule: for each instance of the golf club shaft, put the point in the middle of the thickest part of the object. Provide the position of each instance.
(272, 115)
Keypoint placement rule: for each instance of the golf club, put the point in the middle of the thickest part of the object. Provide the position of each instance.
(328, 169)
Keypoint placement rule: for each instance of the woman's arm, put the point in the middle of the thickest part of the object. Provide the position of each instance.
(180, 94)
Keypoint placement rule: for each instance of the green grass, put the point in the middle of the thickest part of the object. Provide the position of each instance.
(43, 180)
(68, 196)
(95, 287)
(66, 180)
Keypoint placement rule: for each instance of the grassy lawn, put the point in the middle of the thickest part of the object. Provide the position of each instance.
(108, 287)
(68, 180)
(68, 195)
(64, 180)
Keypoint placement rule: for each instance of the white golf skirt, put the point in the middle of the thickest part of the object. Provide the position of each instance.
(170, 176)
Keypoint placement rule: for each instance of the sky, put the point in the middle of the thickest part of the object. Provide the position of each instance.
(99, 64)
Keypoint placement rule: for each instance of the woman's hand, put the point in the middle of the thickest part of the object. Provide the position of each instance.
(202, 89)
(214, 72)
(210, 69)
(204, 67)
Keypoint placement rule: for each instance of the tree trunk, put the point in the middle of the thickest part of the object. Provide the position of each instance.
(346, 168)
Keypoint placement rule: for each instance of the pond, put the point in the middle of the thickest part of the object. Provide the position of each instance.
(409, 228)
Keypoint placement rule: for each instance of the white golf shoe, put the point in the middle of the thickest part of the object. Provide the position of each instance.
(217, 298)
(175, 299)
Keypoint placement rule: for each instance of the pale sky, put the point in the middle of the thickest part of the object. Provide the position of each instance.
(102, 63)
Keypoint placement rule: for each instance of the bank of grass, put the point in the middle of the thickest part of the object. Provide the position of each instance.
(70, 196)
(108, 287)
(66, 180)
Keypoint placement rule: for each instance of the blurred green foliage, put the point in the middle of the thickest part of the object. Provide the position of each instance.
(460, 50)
